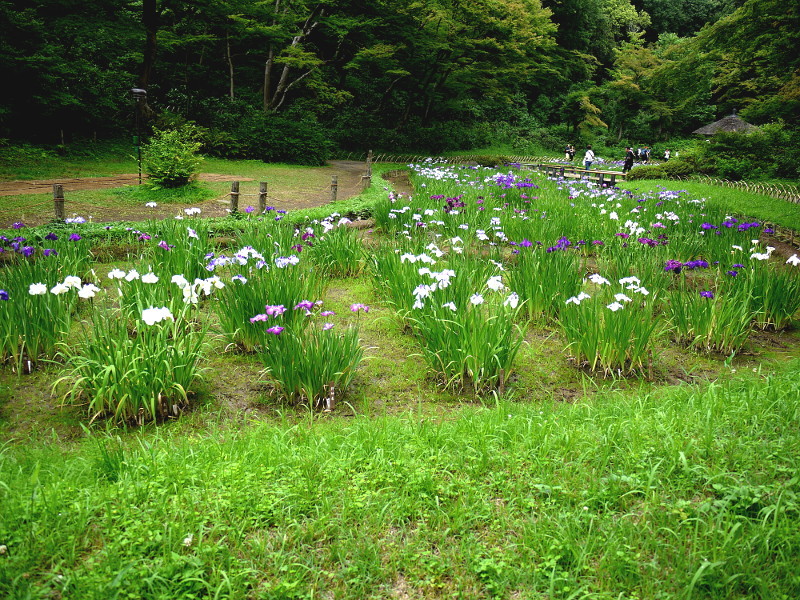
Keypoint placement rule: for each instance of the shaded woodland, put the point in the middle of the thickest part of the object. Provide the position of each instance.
(428, 75)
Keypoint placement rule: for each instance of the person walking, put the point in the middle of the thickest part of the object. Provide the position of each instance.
(666, 155)
(588, 158)
(629, 158)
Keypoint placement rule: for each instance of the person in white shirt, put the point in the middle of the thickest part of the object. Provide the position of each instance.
(588, 158)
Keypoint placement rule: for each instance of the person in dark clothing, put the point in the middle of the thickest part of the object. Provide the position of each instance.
(629, 158)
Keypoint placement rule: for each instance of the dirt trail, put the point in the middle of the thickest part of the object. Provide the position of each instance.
(349, 175)
(72, 184)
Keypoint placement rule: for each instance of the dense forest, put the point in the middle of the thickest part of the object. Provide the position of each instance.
(309, 76)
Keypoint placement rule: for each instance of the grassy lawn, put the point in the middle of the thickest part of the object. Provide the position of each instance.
(740, 202)
(687, 492)
(89, 160)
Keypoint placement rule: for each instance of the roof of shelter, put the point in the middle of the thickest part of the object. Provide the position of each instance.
(731, 124)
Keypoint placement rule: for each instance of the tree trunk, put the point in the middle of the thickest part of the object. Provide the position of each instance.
(230, 64)
(273, 101)
(267, 96)
(150, 22)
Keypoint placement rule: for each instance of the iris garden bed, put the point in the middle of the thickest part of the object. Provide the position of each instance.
(469, 268)
(498, 293)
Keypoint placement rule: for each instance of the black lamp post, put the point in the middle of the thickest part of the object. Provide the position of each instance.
(138, 95)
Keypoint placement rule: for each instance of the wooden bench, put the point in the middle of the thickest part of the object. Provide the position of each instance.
(571, 172)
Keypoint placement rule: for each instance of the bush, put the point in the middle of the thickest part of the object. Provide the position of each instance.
(273, 138)
(678, 168)
(170, 156)
(766, 153)
(541, 138)
(673, 169)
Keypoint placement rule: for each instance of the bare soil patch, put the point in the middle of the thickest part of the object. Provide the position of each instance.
(349, 174)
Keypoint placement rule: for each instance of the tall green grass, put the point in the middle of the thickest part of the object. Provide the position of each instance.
(689, 493)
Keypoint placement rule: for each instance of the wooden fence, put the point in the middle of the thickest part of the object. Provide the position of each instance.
(788, 192)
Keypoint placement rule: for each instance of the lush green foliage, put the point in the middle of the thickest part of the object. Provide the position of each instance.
(691, 492)
(134, 376)
(289, 80)
(310, 361)
(171, 157)
(665, 491)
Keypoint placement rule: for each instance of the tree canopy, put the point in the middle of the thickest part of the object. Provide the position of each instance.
(424, 73)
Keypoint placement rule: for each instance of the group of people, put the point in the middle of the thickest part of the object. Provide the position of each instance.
(588, 157)
(631, 156)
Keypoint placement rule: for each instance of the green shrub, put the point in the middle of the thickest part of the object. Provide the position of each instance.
(170, 156)
(273, 138)
(678, 168)
(672, 169)
(647, 172)
(762, 154)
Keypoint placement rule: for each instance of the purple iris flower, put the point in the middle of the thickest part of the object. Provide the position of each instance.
(74, 237)
(707, 294)
(306, 304)
(274, 310)
(696, 264)
(27, 250)
(51, 236)
(3, 295)
(49, 252)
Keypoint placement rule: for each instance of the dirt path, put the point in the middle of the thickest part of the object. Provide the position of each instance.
(72, 184)
(349, 175)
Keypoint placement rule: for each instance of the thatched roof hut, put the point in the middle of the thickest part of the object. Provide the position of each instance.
(730, 124)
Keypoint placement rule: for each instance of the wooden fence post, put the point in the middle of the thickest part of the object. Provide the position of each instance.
(334, 187)
(58, 201)
(366, 180)
(262, 197)
(234, 197)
